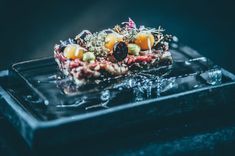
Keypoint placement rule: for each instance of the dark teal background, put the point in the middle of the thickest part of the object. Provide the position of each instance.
(29, 29)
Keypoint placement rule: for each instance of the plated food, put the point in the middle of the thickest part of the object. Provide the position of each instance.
(122, 50)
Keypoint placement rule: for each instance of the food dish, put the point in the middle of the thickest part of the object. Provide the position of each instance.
(119, 51)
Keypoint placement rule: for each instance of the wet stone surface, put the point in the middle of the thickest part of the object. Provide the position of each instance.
(56, 96)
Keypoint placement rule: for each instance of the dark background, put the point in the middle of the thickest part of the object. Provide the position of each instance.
(29, 29)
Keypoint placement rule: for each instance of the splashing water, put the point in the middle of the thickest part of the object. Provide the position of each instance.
(148, 84)
(185, 74)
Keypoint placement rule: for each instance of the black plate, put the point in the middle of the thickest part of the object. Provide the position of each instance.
(39, 108)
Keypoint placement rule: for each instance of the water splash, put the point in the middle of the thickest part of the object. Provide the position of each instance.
(104, 97)
(146, 84)
(78, 103)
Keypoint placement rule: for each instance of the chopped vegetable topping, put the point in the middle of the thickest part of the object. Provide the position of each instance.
(133, 49)
(111, 39)
(88, 57)
(145, 40)
(113, 51)
(73, 51)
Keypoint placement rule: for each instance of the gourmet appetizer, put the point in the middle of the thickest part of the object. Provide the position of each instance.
(121, 50)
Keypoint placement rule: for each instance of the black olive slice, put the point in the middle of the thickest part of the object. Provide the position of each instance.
(120, 51)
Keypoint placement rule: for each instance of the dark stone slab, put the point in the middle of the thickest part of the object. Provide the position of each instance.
(36, 130)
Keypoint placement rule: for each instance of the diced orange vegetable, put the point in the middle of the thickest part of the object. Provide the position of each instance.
(73, 51)
(145, 40)
(111, 39)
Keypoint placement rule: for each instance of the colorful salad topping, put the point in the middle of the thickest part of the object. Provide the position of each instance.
(112, 52)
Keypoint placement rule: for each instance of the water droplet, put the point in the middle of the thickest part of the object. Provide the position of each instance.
(78, 103)
(33, 99)
(174, 45)
(149, 89)
(187, 63)
(139, 92)
(175, 39)
(105, 95)
(214, 76)
(196, 86)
